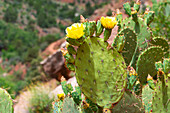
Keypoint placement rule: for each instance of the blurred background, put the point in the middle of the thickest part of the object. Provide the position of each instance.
(31, 33)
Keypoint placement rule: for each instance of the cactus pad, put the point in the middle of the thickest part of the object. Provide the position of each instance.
(5, 102)
(128, 104)
(147, 98)
(69, 106)
(161, 42)
(161, 96)
(166, 65)
(100, 72)
(129, 44)
(141, 29)
(146, 63)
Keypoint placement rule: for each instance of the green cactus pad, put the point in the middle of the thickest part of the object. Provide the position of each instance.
(130, 43)
(128, 104)
(57, 106)
(149, 17)
(100, 72)
(147, 98)
(166, 65)
(141, 29)
(127, 8)
(69, 106)
(99, 28)
(161, 96)
(161, 42)
(5, 102)
(146, 63)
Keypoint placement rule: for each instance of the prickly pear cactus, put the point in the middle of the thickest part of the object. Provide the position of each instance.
(163, 43)
(166, 65)
(126, 42)
(5, 102)
(69, 106)
(147, 93)
(100, 72)
(158, 41)
(57, 106)
(161, 96)
(128, 104)
(141, 29)
(146, 63)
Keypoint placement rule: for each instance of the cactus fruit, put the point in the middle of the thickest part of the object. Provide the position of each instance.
(128, 104)
(147, 98)
(5, 102)
(126, 42)
(94, 61)
(161, 96)
(146, 63)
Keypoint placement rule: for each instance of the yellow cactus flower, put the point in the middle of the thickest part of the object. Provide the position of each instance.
(75, 31)
(108, 22)
(60, 96)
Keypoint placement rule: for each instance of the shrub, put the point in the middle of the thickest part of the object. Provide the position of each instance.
(40, 102)
(11, 14)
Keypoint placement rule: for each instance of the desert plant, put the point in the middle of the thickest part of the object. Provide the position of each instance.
(39, 99)
(109, 75)
(5, 101)
(11, 14)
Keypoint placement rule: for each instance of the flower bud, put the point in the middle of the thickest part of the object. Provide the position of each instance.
(99, 28)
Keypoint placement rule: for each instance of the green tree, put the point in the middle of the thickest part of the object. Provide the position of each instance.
(11, 14)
